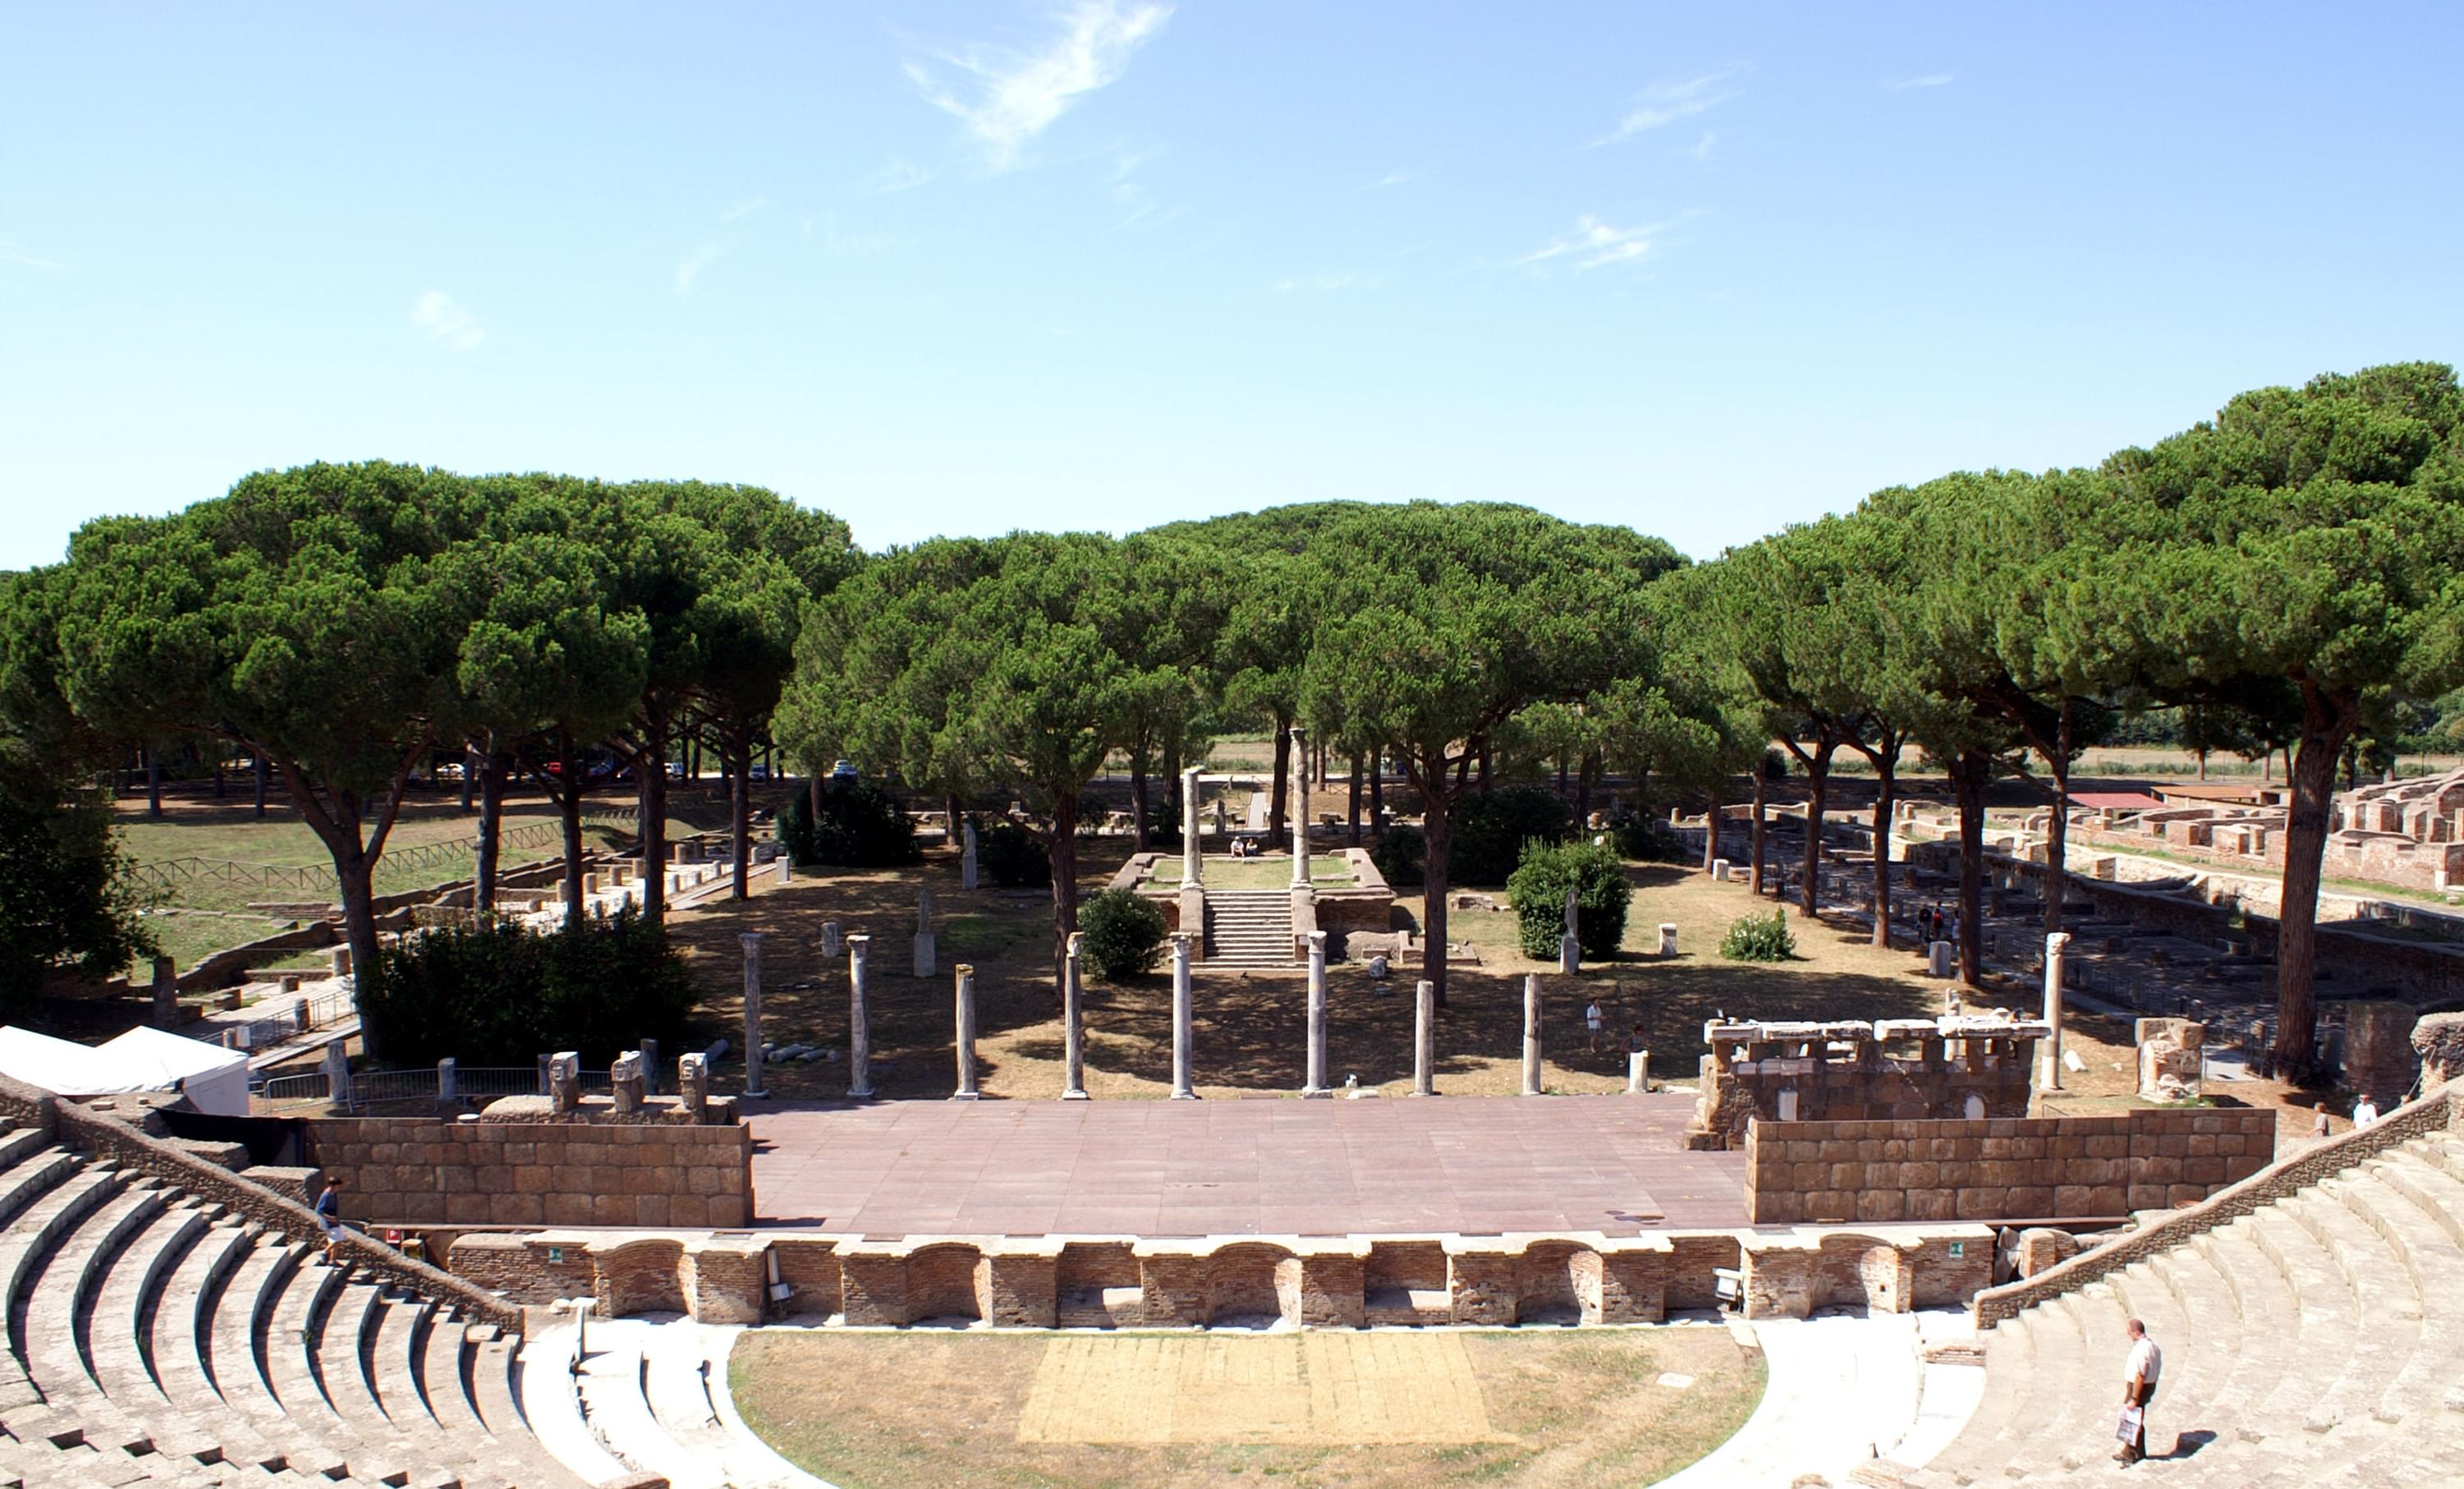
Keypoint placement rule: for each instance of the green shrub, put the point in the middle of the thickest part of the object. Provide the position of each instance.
(1759, 938)
(1649, 841)
(1402, 855)
(504, 995)
(1495, 825)
(860, 826)
(1012, 856)
(1123, 931)
(1601, 895)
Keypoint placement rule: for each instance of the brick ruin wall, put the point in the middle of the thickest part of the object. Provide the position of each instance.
(1897, 1069)
(1999, 1170)
(1337, 1282)
(406, 1170)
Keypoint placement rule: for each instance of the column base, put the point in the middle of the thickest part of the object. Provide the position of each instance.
(966, 1096)
(864, 1094)
(1075, 1096)
(754, 1094)
(1317, 1093)
(1184, 1096)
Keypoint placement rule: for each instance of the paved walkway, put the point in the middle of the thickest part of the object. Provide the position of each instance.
(1478, 1165)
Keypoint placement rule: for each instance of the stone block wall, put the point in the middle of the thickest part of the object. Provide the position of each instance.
(409, 1170)
(1326, 1283)
(1902, 1069)
(1999, 1169)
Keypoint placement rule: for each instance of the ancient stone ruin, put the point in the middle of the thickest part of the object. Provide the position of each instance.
(2172, 1058)
(1892, 1069)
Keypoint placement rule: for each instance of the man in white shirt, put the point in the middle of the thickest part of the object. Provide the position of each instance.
(2138, 1373)
(2364, 1111)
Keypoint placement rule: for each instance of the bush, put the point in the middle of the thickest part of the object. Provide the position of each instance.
(1012, 856)
(1649, 841)
(1601, 895)
(1402, 855)
(503, 995)
(1123, 931)
(1495, 825)
(1759, 938)
(860, 826)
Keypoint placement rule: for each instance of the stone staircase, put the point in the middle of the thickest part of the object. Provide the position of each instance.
(2316, 1340)
(656, 1396)
(158, 1337)
(1249, 928)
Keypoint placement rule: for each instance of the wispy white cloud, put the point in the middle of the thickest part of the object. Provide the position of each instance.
(436, 316)
(1594, 244)
(1702, 148)
(1395, 178)
(1007, 96)
(745, 208)
(897, 175)
(1667, 102)
(689, 269)
(1929, 81)
(12, 252)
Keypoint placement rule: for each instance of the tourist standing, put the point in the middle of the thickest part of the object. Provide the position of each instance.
(1593, 1021)
(2139, 1372)
(2364, 1111)
(329, 1215)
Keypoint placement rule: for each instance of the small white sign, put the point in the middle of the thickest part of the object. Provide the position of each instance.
(1674, 1380)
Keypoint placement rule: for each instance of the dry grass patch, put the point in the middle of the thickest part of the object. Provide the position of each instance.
(1019, 1411)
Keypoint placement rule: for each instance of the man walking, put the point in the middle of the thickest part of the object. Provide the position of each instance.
(1594, 1022)
(2138, 1373)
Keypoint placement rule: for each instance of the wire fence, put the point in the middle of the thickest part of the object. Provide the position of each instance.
(424, 1085)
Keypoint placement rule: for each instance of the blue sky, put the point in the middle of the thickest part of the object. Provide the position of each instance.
(945, 268)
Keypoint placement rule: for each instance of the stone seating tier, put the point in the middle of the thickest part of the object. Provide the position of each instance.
(159, 1335)
(2315, 1341)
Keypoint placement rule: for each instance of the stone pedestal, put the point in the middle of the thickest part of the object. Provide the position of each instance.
(2049, 1053)
(624, 1084)
(2172, 1058)
(167, 992)
(1532, 1034)
(1939, 958)
(833, 943)
(1570, 955)
(1073, 1027)
(1424, 1039)
(447, 1081)
(786, 867)
(1314, 1073)
(693, 1083)
(1181, 1020)
(1193, 862)
(751, 942)
(1668, 939)
(1638, 1072)
(924, 947)
(564, 1082)
(967, 856)
(342, 961)
(649, 1053)
(966, 1034)
(859, 1020)
(1719, 870)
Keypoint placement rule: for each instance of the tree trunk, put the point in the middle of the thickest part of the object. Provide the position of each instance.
(1062, 854)
(1817, 786)
(567, 797)
(264, 777)
(153, 783)
(739, 761)
(2203, 764)
(1439, 836)
(1483, 770)
(1377, 791)
(1968, 779)
(1283, 779)
(1886, 779)
(1583, 775)
(470, 777)
(1138, 801)
(650, 832)
(1563, 773)
(221, 788)
(354, 876)
(1354, 808)
(490, 772)
(2327, 722)
(1754, 846)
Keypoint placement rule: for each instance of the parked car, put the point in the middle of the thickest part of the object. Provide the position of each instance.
(843, 770)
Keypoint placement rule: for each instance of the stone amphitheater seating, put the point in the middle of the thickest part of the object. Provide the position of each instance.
(2314, 1337)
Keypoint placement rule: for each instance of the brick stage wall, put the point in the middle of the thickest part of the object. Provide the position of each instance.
(1999, 1169)
(410, 1170)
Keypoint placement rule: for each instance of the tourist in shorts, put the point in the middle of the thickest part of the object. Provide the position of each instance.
(329, 1214)
(2138, 1373)
(1593, 1021)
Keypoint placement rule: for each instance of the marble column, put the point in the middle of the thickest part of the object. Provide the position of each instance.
(967, 1091)
(925, 952)
(1181, 1020)
(1424, 1039)
(1313, 1081)
(2055, 945)
(1532, 1034)
(1073, 1027)
(967, 857)
(1300, 809)
(751, 942)
(1193, 870)
(859, 1020)
(1569, 950)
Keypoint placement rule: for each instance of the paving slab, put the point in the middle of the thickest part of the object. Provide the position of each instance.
(1477, 1164)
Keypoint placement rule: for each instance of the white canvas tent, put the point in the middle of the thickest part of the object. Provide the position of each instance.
(214, 1079)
